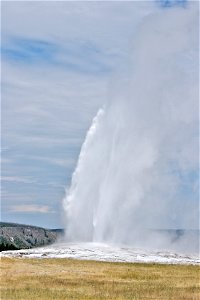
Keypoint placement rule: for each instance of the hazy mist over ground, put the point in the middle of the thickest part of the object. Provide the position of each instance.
(137, 169)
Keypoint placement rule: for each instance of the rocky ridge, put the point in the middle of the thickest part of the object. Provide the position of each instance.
(18, 236)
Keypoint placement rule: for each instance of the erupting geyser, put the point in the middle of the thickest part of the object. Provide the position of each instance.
(136, 173)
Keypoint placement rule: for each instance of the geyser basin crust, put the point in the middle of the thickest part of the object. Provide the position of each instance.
(102, 252)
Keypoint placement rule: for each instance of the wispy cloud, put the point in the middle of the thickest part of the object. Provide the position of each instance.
(30, 208)
(11, 197)
(24, 50)
(20, 180)
(72, 56)
(17, 179)
(171, 3)
(54, 161)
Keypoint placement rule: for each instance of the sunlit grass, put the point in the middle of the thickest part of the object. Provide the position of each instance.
(52, 279)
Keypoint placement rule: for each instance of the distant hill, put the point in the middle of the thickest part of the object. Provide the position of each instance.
(15, 236)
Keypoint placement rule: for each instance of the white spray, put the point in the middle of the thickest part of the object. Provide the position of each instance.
(132, 176)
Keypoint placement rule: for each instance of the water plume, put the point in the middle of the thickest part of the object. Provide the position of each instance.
(136, 173)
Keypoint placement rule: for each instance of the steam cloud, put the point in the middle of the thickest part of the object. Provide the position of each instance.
(136, 172)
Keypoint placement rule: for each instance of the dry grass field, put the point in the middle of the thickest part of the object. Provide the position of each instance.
(52, 279)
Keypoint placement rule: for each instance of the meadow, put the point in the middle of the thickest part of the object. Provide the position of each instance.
(52, 279)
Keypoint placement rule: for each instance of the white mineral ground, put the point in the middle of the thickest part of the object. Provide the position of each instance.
(103, 252)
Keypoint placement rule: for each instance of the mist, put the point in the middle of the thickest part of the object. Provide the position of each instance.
(136, 176)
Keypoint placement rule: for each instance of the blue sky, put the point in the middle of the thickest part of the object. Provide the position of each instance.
(58, 60)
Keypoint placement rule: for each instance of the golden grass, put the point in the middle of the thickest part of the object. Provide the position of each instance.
(55, 279)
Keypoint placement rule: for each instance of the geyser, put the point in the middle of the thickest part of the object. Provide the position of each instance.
(137, 170)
